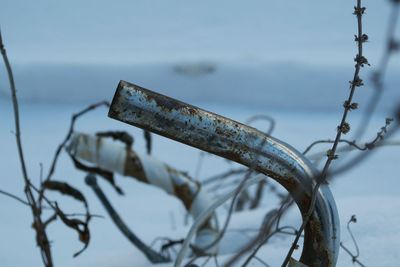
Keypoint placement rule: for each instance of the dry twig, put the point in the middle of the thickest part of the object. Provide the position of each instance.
(41, 235)
(354, 257)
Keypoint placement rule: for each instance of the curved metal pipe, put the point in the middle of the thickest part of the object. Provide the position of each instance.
(245, 145)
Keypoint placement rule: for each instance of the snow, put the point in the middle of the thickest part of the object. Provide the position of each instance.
(271, 49)
(370, 191)
(289, 60)
(160, 31)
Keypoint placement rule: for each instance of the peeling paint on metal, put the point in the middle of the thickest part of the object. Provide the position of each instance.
(232, 140)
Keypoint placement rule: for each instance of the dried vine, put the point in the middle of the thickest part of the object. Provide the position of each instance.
(41, 235)
(344, 126)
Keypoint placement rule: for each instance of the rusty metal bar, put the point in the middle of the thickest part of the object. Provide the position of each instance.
(243, 144)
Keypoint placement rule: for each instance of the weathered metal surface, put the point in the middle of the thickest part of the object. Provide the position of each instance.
(243, 144)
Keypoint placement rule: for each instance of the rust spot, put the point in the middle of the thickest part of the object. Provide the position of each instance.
(98, 145)
(162, 101)
(187, 195)
(206, 224)
(192, 111)
(184, 193)
(219, 130)
(314, 253)
(112, 113)
(133, 167)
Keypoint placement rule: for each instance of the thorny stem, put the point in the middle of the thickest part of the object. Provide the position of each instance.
(350, 143)
(364, 147)
(378, 76)
(41, 236)
(358, 159)
(343, 128)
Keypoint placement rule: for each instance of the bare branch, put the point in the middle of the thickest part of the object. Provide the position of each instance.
(152, 255)
(66, 139)
(70, 131)
(379, 74)
(14, 197)
(354, 257)
(367, 146)
(41, 236)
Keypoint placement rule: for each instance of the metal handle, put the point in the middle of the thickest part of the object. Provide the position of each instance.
(243, 144)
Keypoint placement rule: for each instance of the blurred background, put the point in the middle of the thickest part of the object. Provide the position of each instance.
(291, 60)
(264, 53)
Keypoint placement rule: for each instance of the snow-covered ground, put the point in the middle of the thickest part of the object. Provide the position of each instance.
(289, 60)
(370, 191)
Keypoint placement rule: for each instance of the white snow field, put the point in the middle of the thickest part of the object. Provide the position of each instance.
(289, 60)
(370, 191)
